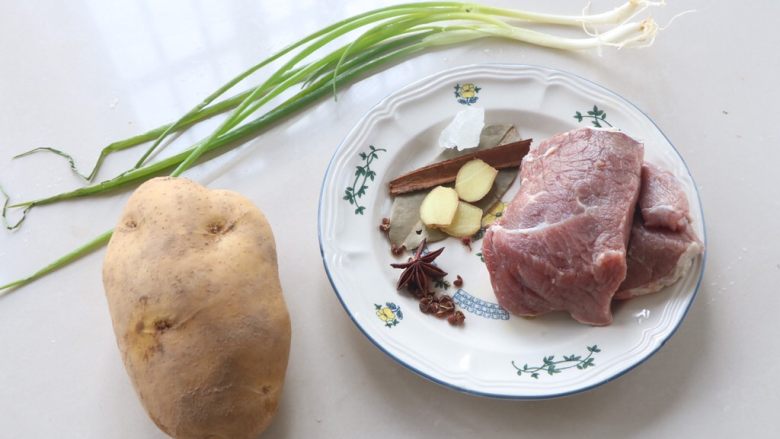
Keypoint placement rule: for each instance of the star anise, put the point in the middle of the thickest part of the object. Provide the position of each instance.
(419, 270)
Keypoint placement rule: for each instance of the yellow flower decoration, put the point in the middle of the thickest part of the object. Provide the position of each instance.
(389, 313)
(467, 94)
(468, 90)
(385, 314)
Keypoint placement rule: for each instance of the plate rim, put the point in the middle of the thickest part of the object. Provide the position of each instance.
(458, 388)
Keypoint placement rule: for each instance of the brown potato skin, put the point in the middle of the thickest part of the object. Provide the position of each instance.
(193, 289)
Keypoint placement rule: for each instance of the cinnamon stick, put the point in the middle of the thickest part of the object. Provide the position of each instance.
(499, 157)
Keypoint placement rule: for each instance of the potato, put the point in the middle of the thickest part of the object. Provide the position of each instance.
(467, 221)
(474, 180)
(191, 281)
(439, 206)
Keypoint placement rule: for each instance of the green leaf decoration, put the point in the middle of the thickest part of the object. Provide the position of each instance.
(552, 366)
(596, 115)
(441, 283)
(363, 174)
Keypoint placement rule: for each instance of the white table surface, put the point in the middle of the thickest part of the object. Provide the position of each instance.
(80, 74)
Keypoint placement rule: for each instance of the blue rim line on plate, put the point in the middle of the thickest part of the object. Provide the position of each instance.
(494, 395)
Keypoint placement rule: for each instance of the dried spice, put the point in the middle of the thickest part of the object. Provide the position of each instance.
(429, 304)
(419, 270)
(407, 230)
(458, 281)
(504, 156)
(446, 307)
(456, 319)
(416, 278)
(385, 226)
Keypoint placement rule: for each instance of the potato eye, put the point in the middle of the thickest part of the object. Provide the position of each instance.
(220, 228)
(162, 325)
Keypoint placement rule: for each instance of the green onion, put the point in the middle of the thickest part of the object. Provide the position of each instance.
(395, 33)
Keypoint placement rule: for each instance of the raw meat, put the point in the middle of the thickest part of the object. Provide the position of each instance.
(662, 200)
(561, 244)
(663, 244)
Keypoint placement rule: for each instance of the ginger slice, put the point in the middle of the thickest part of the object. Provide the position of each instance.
(474, 180)
(439, 207)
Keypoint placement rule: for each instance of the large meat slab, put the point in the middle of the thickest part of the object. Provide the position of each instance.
(561, 243)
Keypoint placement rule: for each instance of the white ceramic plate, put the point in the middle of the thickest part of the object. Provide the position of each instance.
(494, 354)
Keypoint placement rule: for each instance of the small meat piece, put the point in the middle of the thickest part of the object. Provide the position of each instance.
(662, 200)
(561, 243)
(663, 245)
(657, 257)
